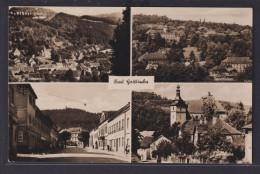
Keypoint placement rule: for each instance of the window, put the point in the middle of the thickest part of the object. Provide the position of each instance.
(20, 137)
(127, 123)
(30, 99)
(30, 118)
(119, 142)
(122, 124)
(119, 125)
(123, 141)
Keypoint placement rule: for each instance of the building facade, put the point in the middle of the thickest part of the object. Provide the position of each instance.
(237, 63)
(113, 132)
(12, 123)
(33, 127)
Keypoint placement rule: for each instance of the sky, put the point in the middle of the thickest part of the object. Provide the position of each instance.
(79, 11)
(234, 92)
(242, 16)
(97, 96)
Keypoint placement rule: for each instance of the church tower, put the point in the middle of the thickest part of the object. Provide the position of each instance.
(178, 109)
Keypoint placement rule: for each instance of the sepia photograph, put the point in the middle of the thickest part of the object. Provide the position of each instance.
(68, 44)
(192, 44)
(193, 123)
(73, 123)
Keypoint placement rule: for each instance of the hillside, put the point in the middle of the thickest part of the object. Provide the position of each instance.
(65, 118)
(27, 32)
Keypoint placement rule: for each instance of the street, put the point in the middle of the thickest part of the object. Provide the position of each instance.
(71, 154)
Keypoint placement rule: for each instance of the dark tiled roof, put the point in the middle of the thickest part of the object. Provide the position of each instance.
(153, 56)
(237, 60)
(194, 106)
(190, 126)
(146, 141)
(224, 128)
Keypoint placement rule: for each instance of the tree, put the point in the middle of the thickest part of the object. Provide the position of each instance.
(236, 118)
(68, 76)
(192, 56)
(209, 107)
(164, 149)
(182, 145)
(65, 136)
(120, 44)
(84, 137)
(136, 136)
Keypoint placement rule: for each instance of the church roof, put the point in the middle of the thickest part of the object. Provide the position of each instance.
(194, 106)
(190, 126)
(178, 102)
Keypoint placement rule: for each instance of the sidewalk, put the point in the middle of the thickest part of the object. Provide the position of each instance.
(115, 155)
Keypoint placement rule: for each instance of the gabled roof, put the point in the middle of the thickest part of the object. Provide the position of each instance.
(147, 133)
(224, 128)
(237, 60)
(146, 141)
(192, 125)
(194, 106)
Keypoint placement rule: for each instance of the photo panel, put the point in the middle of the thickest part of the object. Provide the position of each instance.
(72, 123)
(68, 44)
(187, 44)
(193, 123)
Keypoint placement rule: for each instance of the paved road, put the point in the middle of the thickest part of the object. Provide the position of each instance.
(74, 155)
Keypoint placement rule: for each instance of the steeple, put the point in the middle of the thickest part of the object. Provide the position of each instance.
(178, 93)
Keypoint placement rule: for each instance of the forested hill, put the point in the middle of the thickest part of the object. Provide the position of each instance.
(70, 117)
(72, 31)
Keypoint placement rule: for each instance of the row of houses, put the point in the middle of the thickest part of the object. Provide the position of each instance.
(113, 132)
(189, 117)
(29, 129)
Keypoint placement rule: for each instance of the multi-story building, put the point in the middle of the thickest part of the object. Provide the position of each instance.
(12, 123)
(237, 63)
(33, 127)
(75, 131)
(114, 131)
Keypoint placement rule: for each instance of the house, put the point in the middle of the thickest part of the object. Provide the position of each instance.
(248, 143)
(237, 63)
(158, 57)
(17, 53)
(43, 52)
(156, 142)
(144, 150)
(188, 50)
(75, 131)
(165, 34)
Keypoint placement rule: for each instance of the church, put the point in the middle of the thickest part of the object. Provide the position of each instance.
(194, 124)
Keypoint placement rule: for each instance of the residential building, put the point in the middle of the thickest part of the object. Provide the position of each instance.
(33, 127)
(144, 150)
(158, 57)
(237, 63)
(75, 131)
(114, 131)
(12, 123)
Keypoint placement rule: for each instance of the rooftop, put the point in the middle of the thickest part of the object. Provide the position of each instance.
(237, 60)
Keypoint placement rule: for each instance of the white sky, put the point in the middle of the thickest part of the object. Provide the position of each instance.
(242, 16)
(97, 96)
(79, 11)
(234, 92)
